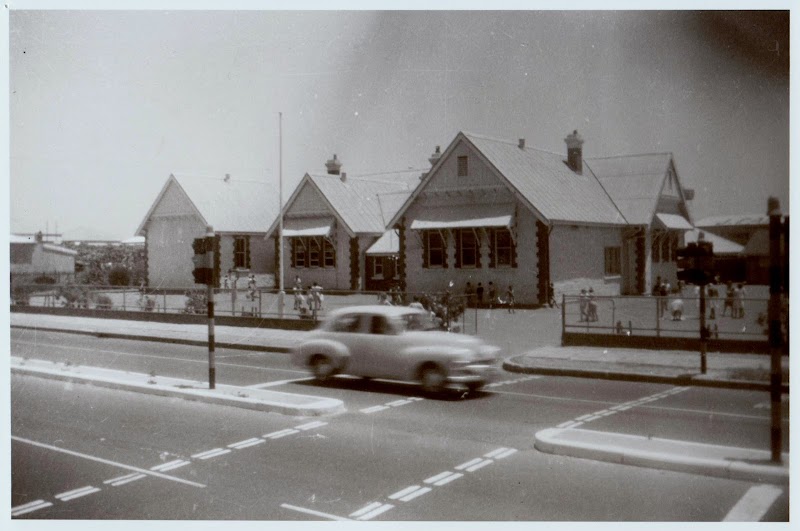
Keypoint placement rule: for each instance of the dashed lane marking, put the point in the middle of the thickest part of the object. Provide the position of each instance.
(505, 454)
(589, 417)
(373, 409)
(480, 465)
(367, 508)
(311, 425)
(375, 512)
(208, 454)
(437, 477)
(29, 507)
(495, 452)
(281, 433)
(76, 493)
(246, 443)
(417, 493)
(107, 462)
(401, 493)
(469, 463)
(754, 504)
(122, 480)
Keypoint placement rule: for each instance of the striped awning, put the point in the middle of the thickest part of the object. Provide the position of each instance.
(465, 217)
(293, 228)
(674, 221)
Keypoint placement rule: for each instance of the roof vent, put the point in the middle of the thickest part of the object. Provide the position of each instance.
(227, 177)
(343, 177)
(333, 165)
(434, 158)
(522, 143)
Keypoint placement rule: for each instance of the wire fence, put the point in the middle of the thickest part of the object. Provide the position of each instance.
(675, 315)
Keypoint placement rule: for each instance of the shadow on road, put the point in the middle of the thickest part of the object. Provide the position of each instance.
(389, 387)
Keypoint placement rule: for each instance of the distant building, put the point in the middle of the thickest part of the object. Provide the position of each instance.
(738, 228)
(33, 260)
(729, 262)
(239, 212)
(501, 211)
(332, 224)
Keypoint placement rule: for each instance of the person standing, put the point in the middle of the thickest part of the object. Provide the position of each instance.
(510, 298)
(738, 301)
(729, 296)
(492, 294)
(583, 303)
(469, 294)
(479, 291)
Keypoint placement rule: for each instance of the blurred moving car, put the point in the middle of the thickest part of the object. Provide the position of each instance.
(398, 343)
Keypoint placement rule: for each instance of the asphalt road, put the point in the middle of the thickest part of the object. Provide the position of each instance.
(80, 452)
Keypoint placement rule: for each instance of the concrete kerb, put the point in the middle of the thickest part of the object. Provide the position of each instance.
(241, 397)
(550, 441)
(698, 380)
(160, 339)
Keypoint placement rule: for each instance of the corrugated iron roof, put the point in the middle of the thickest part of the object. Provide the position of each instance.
(232, 205)
(21, 239)
(634, 182)
(734, 220)
(544, 179)
(673, 221)
(721, 245)
(387, 244)
(366, 203)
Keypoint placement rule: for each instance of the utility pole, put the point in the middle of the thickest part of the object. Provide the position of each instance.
(281, 291)
(212, 369)
(775, 335)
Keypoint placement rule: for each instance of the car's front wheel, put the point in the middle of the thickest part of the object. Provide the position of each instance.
(432, 378)
(322, 367)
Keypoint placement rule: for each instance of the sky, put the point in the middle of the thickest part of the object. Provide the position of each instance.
(104, 105)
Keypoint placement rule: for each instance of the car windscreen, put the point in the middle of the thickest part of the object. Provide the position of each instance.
(413, 322)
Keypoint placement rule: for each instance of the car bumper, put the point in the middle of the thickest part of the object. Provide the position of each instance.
(474, 374)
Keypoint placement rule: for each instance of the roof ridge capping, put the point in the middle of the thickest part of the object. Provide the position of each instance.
(667, 153)
(514, 143)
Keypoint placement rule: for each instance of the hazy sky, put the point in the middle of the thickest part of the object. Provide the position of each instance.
(105, 105)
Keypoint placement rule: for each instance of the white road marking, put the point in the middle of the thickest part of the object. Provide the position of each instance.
(415, 494)
(211, 453)
(126, 479)
(372, 514)
(495, 452)
(448, 479)
(311, 425)
(584, 417)
(245, 442)
(313, 512)
(398, 403)
(565, 424)
(505, 454)
(284, 434)
(437, 477)
(107, 462)
(373, 409)
(482, 464)
(754, 504)
(29, 507)
(279, 382)
(471, 462)
(248, 445)
(174, 466)
(401, 493)
(166, 465)
(76, 493)
(415, 398)
(367, 508)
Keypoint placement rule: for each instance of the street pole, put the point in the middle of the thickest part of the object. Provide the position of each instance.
(775, 337)
(281, 292)
(703, 335)
(212, 369)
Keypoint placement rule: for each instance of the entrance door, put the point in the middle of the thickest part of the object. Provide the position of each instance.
(628, 286)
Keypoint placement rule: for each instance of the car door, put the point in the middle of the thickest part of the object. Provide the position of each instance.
(382, 349)
(350, 330)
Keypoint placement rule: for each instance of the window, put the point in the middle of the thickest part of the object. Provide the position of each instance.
(435, 249)
(377, 267)
(463, 166)
(350, 323)
(329, 254)
(298, 252)
(241, 250)
(503, 248)
(655, 248)
(313, 252)
(380, 326)
(468, 248)
(613, 265)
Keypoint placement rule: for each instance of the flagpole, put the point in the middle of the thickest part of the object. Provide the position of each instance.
(281, 292)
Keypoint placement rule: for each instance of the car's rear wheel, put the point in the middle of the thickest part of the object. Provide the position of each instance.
(432, 378)
(474, 386)
(322, 367)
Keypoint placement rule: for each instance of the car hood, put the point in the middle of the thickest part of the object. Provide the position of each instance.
(436, 338)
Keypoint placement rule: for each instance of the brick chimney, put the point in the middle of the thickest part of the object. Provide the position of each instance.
(434, 158)
(333, 165)
(575, 152)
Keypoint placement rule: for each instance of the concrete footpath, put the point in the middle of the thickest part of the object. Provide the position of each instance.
(738, 371)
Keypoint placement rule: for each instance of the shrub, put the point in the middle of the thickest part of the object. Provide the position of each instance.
(119, 276)
(44, 279)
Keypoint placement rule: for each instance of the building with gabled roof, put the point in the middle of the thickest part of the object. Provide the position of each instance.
(332, 219)
(33, 259)
(239, 212)
(498, 211)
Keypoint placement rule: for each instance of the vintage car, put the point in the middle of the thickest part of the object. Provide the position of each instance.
(397, 343)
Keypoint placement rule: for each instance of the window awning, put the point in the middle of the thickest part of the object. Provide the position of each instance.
(386, 245)
(293, 228)
(674, 221)
(465, 217)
